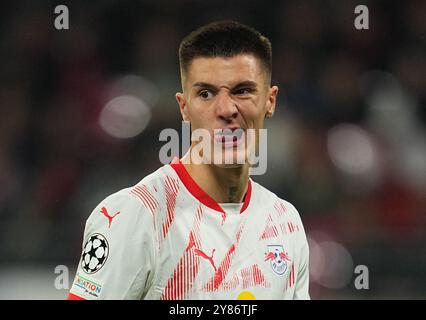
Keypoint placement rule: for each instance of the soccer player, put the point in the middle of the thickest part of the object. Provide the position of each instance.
(203, 230)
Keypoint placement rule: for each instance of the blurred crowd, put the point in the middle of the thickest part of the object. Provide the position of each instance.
(347, 145)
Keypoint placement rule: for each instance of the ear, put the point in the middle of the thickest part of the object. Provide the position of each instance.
(180, 97)
(271, 102)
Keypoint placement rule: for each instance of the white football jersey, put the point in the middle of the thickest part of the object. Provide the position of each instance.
(165, 238)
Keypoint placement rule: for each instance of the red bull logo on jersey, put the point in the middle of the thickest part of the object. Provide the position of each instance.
(278, 259)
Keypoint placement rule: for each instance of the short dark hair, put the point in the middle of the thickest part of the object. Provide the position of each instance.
(225, 39)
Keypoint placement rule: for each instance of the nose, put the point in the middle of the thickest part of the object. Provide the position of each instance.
(226, 107)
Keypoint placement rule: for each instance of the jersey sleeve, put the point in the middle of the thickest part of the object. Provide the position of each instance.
(302, 280)
(118, 251)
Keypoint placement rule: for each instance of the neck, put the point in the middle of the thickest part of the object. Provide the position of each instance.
(223, 184)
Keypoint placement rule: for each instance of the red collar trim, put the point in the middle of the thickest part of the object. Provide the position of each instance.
(199, 193)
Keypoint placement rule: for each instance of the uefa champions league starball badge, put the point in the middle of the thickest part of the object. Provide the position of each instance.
(95, 253)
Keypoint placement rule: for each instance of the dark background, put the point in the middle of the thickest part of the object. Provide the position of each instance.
(346, 146)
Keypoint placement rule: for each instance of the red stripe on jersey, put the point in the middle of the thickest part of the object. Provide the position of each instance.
(74, 297)
(221, 272)
(239, 232)
(152, 200)
(259, 278)
(143, 194)
(290, 227)
(225, 265)
(199, 193)
(292, 279)
(171, 187)
(244, 276)
(146, 194)
(231, 285)
(280, 208)
(182, 279)
(252, 276)
(196, 226)
(270, 230)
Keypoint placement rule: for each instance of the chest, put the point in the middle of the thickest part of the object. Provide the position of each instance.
(207, 255)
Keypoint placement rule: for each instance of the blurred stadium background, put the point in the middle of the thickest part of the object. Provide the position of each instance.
(81, 111)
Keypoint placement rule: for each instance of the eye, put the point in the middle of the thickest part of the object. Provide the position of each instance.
(243, 91)
(205, 94)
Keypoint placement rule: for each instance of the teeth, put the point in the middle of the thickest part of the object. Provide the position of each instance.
(238, 133)
(229, 132)
(228, 135)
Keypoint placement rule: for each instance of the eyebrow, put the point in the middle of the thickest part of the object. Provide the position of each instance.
(205, 85)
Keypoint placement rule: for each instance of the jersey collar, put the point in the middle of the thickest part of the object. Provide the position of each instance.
(199, 193)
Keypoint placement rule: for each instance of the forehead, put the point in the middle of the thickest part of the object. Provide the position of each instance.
(224, 70)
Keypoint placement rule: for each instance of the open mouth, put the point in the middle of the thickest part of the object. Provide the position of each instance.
(229, 137)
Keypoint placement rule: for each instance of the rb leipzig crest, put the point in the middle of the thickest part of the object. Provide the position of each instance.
(278, 258)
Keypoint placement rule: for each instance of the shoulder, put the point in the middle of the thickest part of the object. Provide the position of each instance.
(266, 196)
(132, 204)
(117, 211)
